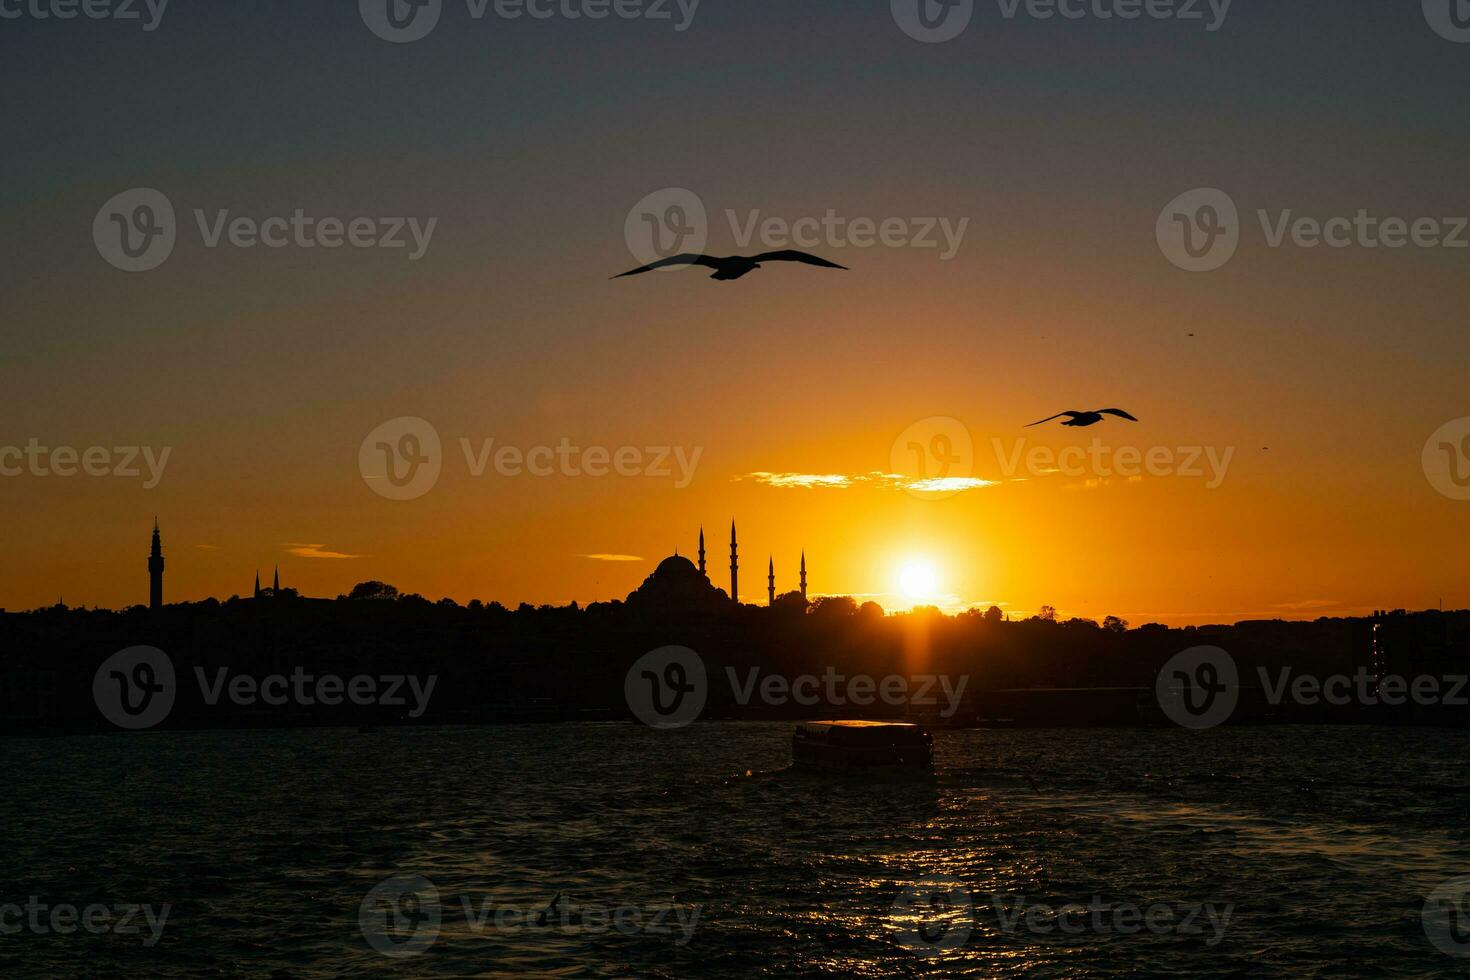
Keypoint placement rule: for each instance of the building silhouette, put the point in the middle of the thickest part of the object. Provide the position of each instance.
(678, 583)
(734, 566)
(275, 588)
(796, 596)
(155, 571)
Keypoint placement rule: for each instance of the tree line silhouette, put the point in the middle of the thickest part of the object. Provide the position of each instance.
(546, 663)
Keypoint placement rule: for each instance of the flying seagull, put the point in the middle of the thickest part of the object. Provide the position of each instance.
(734, 266)
(1084, 419)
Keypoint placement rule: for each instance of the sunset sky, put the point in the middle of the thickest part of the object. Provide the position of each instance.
(1323, 371)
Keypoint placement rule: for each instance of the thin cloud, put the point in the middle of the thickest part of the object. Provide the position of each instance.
(948, 484)
(614, 557)
(315, 551)
(1308, 604)
(801, 480)
(888, 481)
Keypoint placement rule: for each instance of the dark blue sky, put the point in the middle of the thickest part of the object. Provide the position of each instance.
(230, 85)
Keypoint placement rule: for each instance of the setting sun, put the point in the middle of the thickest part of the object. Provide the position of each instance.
(917, 579)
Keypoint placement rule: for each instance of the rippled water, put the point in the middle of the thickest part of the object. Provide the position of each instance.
(1322, 844)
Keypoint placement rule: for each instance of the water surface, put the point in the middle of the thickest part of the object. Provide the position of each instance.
(1323, 844)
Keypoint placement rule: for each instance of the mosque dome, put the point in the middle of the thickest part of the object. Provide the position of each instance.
(677, 584)
(676, 566)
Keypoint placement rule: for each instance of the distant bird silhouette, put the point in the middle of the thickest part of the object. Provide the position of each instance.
(734, 266)
(1083, 419)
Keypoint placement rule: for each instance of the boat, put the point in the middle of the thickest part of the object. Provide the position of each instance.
(862, 745)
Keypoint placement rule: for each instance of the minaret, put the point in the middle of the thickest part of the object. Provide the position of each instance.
(803, 574)
(257, 584)
(155, 571)
(276, 584)
(771, 581)
(701, 552)
(734, 567)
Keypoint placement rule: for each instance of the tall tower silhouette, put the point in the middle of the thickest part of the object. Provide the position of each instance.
(256, 593)
(276, 584)
(771, 581)
(155, 571)
(734, 566)
(803, 574)
(701, 552)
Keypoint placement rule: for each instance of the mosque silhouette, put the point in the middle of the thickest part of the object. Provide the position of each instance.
(677, 583)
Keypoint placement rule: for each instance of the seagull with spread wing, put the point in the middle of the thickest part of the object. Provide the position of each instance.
(734, 266)
(1084, 419)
